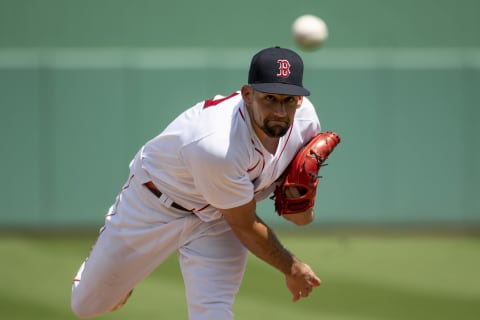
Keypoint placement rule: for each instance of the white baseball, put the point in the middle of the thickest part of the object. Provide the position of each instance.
(309, 32)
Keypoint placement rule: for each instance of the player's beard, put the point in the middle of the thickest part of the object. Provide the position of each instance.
(275, 130)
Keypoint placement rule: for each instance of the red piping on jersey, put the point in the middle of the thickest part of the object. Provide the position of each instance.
(203, 208)
(284, 146)
(241, 114)
(114, 211)
(261, 154)
(212, 102)
(286, 142)
(252, 168)
(263, 158)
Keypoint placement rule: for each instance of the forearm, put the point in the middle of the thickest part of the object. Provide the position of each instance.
(257, 237)
(263, 243)
(260, 240)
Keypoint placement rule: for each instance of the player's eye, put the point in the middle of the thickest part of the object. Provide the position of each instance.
(291, 101)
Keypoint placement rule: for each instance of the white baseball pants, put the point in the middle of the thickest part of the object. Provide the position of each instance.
(139, 234)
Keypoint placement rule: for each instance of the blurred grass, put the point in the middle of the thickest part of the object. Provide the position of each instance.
(364, 277)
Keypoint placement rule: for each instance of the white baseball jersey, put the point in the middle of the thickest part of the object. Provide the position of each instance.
(209, 157)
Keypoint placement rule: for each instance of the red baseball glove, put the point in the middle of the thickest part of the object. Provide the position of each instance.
(302, 173)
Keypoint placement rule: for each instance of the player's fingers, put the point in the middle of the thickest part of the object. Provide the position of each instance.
(304, 293)
(314, 281)
(292, 192)
(295, 297)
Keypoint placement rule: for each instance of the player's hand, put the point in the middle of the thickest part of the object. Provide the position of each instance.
(301, 280)
(292, 192)
(301, 218)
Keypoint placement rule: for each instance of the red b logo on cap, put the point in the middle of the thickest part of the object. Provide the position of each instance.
(283, 68)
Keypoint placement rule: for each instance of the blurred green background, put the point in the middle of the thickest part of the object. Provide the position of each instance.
(83, 84)
(365, 277)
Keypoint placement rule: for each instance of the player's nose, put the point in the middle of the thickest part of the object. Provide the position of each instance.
(280, 110)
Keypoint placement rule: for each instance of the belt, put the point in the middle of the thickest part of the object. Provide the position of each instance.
(150, 186)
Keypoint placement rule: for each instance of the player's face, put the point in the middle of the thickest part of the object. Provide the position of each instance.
(272, 113)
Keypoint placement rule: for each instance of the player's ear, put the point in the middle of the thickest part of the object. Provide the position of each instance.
(247, 94)
(300, 101)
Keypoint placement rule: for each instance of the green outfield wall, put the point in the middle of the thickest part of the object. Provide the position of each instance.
(83, 84)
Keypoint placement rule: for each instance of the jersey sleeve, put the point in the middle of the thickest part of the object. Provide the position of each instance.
(218, 174)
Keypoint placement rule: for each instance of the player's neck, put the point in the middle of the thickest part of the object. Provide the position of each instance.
(269, 143)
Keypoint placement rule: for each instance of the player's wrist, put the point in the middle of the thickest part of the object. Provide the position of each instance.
(295, 267)
(300, 219)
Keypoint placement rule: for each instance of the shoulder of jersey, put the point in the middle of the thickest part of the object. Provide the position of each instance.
(219, 99)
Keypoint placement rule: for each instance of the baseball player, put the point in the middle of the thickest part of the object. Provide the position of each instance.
(192, 190)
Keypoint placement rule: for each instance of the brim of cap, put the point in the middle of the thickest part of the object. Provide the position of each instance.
(281, 88)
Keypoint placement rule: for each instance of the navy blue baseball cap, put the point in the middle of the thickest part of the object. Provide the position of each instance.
(277, 70)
